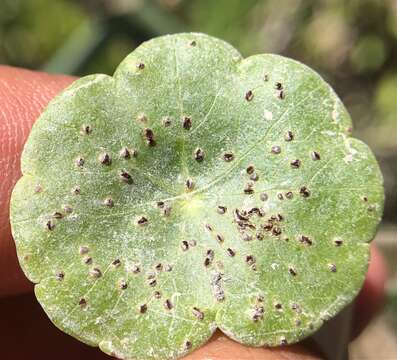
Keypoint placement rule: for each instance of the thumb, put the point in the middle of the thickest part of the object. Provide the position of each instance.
(23, 95)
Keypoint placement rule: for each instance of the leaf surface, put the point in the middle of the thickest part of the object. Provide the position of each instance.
(192, 190)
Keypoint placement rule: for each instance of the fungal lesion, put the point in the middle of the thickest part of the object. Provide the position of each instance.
(255, 224)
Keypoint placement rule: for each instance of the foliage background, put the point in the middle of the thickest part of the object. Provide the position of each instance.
(353, 44)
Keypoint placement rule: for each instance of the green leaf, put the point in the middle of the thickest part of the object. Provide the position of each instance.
(195, 190)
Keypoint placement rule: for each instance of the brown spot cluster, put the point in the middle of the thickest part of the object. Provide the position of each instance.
(253, 223)
(217, 287)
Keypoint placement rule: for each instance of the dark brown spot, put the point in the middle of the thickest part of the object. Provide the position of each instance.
(187, 345)
(207, 262)
(87, 260)
(76, 190)
(158, 266)
(266, 77)
(292, 271)
(296, 163)
(249, 95)
(82, 302)
(219, 293)
(278, 86)
(315, 155)
(116, 263)
(123, 285)
(289, 195)
(228, 156)
(276, 231)
(140, 66)
(57, 215)
(143, 308)
(166, 121)
(86, 129)
(152, 282)
(184, 245)
(135, 269)
(296, 308)
(304, 191)
(281, 94)
(166, 210)
(221, 209)
(276, 149)
(263, 196)
(193, 43)
(105, 159)
(157, 294)
(332, 267)
(250, 259)
(338, 242)
(278, 306)
(250, 169)
(210, 254)
(254, 210)
(60, 276)
(220, 238)
(197, 313)
(108, 202)
(50, 225)
(249, 188)
(305, 240)
(268, 226)
(280, 196)
(149, 136)
(125, 176)
(199, 154)
(240, 215)
(257, 313)
(283, 341)
(95, 273)
(187, 122)
(126, 153)
(289, 136)
(189, 184)
(168, 304)
(79, 162)
(231, 252)
(208, 227)
(142, 221)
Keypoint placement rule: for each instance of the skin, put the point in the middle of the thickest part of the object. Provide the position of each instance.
(26, 330)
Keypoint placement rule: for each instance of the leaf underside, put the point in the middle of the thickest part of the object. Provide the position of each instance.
(195, 190)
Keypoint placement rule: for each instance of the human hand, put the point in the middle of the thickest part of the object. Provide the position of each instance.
(25, 331)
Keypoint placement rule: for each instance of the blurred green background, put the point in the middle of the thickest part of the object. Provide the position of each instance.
(353, 44)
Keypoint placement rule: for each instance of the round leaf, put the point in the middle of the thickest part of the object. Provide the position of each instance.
(195, 190)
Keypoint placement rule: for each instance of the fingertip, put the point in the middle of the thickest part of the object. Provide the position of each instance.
(221, 347)
(372, 295)
(23, 95)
